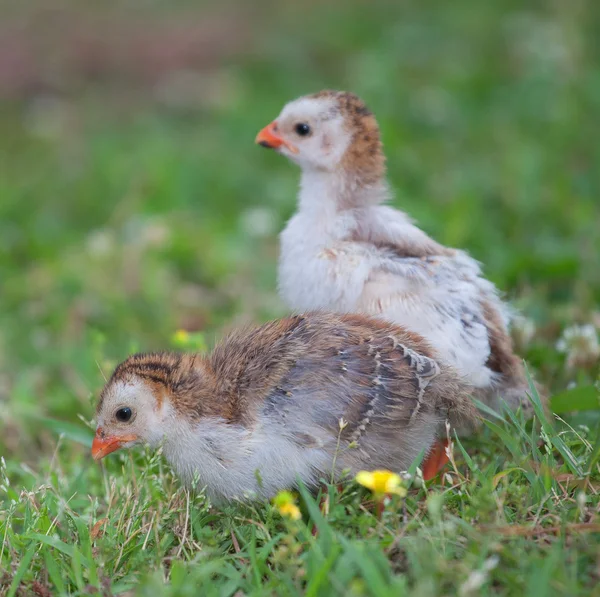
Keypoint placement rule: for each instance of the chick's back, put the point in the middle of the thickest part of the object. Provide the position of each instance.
(323, 377)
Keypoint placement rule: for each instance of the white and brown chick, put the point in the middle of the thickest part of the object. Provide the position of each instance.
(305, 396)
(347, 252)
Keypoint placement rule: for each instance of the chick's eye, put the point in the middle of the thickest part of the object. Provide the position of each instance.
(123, 414)
(302, 129)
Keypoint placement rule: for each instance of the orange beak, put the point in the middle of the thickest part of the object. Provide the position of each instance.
(269, 137)
(102, 446)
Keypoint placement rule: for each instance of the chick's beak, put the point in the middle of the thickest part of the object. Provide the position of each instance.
(104, 445)
(269, 137)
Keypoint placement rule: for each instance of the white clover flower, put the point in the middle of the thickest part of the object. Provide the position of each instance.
(100, 243)
(580, 344)
(478, 577)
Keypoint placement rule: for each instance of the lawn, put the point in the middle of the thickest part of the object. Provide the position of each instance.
(134, 203)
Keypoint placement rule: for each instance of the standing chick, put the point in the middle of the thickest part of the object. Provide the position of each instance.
(345, 251)
(303, 396)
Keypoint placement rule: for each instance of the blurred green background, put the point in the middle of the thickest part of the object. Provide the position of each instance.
(133, 201)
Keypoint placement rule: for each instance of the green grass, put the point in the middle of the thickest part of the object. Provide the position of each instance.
(124, 218)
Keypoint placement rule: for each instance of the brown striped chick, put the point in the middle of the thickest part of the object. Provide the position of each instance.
(345, 251)
(271, 404)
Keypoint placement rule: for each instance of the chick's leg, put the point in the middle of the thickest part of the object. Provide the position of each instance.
(435, 460)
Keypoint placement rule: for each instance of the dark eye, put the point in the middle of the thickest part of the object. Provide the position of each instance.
(123, 414)
(302, 129)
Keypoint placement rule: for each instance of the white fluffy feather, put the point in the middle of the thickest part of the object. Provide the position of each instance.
(322, 267)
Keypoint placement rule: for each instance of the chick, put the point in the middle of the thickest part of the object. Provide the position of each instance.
(345, 251)
(301, 397)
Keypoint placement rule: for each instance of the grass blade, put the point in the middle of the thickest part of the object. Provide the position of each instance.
(550, 431)
(53, 572)
(23, 566)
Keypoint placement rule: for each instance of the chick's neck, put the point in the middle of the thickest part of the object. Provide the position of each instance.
(324, 194)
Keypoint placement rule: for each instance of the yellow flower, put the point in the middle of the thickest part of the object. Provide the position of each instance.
(181, 337)
(286, 505)
(189, 340)
(381, 482)
(290, 510)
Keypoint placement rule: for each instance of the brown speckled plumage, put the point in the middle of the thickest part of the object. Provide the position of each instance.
(328, 353)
